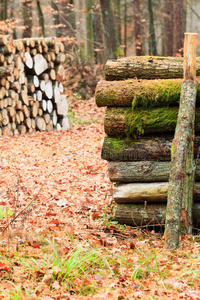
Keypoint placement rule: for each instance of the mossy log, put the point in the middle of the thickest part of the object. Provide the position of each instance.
(142, 171)
(148, 214)
(146, 67)
(149, 191)
(126, 122)
(145, 148)
(140, 93)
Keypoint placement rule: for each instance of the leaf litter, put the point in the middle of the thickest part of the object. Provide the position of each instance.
(61, 241)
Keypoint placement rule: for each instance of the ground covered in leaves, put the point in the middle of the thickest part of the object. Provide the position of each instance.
(58, 239)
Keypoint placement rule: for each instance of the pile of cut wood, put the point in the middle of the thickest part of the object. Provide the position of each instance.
(142, 97)
(31, 89)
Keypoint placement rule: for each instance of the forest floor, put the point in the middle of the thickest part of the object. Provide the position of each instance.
(58, 239)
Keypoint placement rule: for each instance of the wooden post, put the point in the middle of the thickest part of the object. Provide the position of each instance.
(181, 176)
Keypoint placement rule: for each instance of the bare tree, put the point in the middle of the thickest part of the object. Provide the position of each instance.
(138, 40)
(178, 32)
(168, 26)
(153, 47)
(110, 34)
(27, 15)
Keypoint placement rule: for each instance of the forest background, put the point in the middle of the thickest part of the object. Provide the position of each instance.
(92, 30)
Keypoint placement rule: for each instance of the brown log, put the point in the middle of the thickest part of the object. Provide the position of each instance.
(60, 58)
(148, 214)
(49, 126)
(146, 67)
(145, 148)
(126, 122)
(26, 111)
(5, 71)
(140, 93)
(5, 39)
(5, 130)
(21, 129)
(182, 170)
(142, 171)
(60, 73)
(47, 118)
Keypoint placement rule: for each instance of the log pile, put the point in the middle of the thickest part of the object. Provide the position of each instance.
(142, 98)
(31, 90)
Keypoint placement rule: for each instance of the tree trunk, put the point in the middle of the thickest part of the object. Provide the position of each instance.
(144, 67)
(168, 27)
(56, 18)
(98, 36)
(27, 16)
(89, 33)
(140, 93)
(110, 35)
(142, 171)
(118, 19)
(125, 122)
(41, 18)
(137, 29)
(148, 214)
(178, 27)
(153, 49)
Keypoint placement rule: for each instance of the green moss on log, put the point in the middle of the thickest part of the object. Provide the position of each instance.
(150, 121)
(126, 122)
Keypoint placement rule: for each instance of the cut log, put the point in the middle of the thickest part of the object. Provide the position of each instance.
(62, 106)
(54, 118)
(6, 71)
(146, 67)
(40, 64)
(48, 93)
(60, 73)
(148, 214)
(145, 148)
(49, 106)
(146, 192)
(125, 122)
(140, 93)
(65, 123)
(142, 171)
(40, 123)
(28, 60)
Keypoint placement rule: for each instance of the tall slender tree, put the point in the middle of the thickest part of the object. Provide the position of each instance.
(27, 16)
(168, 26)
(178, 26)
(137, 27)
(110, 35)
(153, 48)
(41, 18)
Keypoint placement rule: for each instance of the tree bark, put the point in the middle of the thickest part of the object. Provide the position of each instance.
(145, 67)
(168, 27)
(137, 28)
(182, 172)
(142, 171)
(89, 33)
(148, 214)
(153, 48)
(178, 171)
(178, 27)
(110, 35)
(140, 93)
(41, 18)
(27, 16)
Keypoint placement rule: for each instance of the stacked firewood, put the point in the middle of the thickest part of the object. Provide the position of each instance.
(142, 97)
(31, 90)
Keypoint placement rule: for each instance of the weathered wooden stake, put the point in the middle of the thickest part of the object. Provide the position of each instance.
(182, 170)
